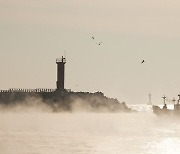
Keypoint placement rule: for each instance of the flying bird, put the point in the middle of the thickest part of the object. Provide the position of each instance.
(99, 43)
(92, 37)
(142, 61)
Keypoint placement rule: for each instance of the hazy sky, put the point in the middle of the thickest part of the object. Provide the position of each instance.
(33, 33)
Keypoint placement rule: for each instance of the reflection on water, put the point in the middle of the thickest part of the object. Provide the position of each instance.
(167, 145)
(43, 133)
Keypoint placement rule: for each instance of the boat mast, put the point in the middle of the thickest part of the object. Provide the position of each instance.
(164, 97)
(174, 100)
(178, 98)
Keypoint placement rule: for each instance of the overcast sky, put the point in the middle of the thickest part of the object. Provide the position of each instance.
(33, 33)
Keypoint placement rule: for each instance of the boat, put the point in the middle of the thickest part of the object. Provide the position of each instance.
(164, 111)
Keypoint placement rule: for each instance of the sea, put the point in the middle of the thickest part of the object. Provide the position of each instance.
(36, 131)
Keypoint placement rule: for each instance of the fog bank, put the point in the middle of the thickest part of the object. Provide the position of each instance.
(61, 102)
(43, 133)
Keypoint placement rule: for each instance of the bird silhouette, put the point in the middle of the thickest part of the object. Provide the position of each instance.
(92, 37)
(99, 43)
(142, 61)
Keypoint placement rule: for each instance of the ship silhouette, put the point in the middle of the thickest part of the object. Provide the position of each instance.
(164, 111)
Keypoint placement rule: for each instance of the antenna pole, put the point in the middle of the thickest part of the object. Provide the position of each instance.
(65, 54)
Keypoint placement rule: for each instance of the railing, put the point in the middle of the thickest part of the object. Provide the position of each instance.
(28, 90)
(61, 60)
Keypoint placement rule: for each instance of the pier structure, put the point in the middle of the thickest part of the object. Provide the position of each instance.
(59, 83)
(37, 90)
(60, 73)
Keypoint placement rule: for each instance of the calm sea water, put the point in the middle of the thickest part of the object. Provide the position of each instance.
(36, 132)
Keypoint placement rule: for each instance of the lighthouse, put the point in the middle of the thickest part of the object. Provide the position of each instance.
(60, 73)
(150, 102)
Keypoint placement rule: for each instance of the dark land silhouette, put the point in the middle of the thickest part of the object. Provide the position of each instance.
(61, 99)
(66, 101)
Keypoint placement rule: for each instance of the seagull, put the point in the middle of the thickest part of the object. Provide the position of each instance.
(92, 37)
(99, 43)
(142, 61)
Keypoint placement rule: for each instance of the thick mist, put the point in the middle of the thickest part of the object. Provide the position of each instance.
(30, 104)
(30, 130)
(65, 102)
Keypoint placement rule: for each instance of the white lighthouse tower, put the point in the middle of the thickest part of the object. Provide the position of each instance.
(150, 102)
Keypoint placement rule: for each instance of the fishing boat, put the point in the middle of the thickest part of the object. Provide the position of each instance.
(164, 111)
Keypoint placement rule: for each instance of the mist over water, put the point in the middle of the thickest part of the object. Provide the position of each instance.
(33, 130)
